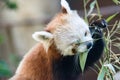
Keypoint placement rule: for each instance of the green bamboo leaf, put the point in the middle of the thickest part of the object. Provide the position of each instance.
(92, 6)
(110, 66)
(116, 2)
(98, 9)
(110, 76)
(116, 66)
(102, 73)
(82, 59)
(111, 71)
(111, 17)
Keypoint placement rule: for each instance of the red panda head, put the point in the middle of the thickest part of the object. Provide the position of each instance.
(67, 30)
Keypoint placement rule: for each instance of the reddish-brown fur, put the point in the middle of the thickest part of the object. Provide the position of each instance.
(56, 22)
(37, 64)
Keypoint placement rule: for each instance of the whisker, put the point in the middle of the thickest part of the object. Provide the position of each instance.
(90, 40)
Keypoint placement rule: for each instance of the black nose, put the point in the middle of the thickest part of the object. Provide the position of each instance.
(89, 45)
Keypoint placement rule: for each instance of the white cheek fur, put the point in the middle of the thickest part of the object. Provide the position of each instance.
(72, 31)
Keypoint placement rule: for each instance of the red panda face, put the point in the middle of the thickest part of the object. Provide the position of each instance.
(70, 33)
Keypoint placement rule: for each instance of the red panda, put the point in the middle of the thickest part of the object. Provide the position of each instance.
(55, 57)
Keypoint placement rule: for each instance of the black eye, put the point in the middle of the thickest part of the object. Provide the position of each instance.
(86, 33)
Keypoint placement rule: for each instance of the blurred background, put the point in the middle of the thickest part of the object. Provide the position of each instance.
(20, 18)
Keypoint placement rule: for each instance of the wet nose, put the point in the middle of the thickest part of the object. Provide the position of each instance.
(89, 45)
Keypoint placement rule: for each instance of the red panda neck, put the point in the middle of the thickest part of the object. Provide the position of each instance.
(62, 67)
(54, 53)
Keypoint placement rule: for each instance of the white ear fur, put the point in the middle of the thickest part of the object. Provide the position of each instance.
(66, 6)
(42, 36)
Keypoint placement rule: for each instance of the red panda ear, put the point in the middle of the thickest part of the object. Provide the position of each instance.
(42, 36)
(64, 10)
(65, 7)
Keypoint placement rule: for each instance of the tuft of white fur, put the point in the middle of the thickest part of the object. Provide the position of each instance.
(65, 4)
(43, 37)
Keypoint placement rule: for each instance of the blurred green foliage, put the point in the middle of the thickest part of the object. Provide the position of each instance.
(1, 39)
(10, 4)
(4, 69)
(15, 59)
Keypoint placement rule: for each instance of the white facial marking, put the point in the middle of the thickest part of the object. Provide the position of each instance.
(74, 30)
(82, 48)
